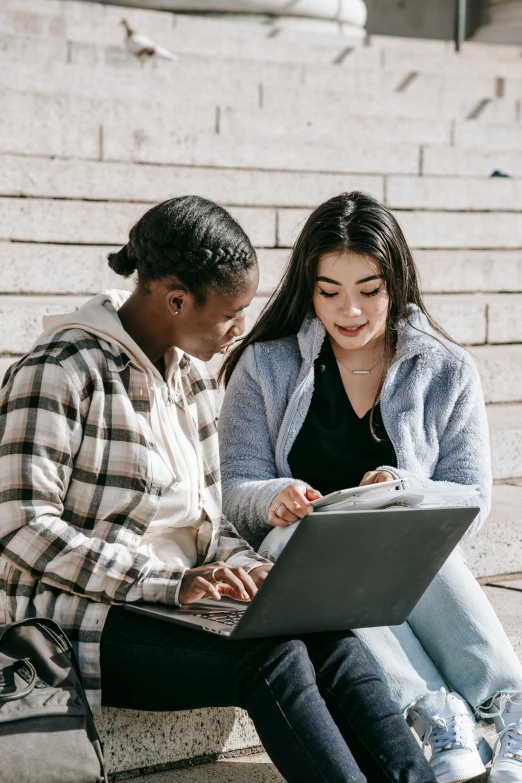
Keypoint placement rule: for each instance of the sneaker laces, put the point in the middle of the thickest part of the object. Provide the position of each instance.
(448, 733)
(510, 740)
(496, 706)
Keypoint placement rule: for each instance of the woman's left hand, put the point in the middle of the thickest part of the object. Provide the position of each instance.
(376, 477)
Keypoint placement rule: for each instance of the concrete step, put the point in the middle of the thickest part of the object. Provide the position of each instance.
(135, 740)
(59, 78)
(463, 194)
(433, 229)
(361, 70)
(209, 135)
(504, 32)
(216, 37)
(467, 133)
(250, 768)
(113, 181)
(470, 162)
(501, 62)
(21, 320)
(469, 271)
(101, 26)
(488, 135)
(439, 229)
(506, 12)
(315, 29)
(439, 106)
(505, 422)
(500, 368)
(374, 93)
(70, 125)
(65, 116)
(148, 145)
(39, 177)
(475, 319)
(107, 222)
(58, 133)
(496, 548)
(323, 128)
(358, 63)
(110, 181)
(508, 606)
(102, 223)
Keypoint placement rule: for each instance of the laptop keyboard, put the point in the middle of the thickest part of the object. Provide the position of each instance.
(230, 618)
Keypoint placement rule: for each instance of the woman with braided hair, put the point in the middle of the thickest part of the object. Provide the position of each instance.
(111, 496)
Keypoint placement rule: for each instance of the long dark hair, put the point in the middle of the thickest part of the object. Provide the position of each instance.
(189, 238)
(353, 222)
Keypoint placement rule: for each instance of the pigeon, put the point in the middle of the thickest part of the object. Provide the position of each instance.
(142, 47)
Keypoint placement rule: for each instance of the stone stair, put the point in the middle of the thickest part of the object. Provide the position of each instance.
(269, 121)
(504, 24)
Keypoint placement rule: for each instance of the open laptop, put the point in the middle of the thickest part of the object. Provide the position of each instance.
(340, 570)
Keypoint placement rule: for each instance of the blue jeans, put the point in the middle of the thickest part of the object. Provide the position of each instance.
(320, 710)
(453, 640)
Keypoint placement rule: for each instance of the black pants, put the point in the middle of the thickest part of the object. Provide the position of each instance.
(320, 710)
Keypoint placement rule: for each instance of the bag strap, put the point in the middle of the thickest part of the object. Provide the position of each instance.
(21, 693)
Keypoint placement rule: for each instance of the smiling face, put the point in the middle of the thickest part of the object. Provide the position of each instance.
(351, 300)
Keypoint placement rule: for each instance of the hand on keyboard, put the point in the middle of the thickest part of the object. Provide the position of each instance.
(213, 581)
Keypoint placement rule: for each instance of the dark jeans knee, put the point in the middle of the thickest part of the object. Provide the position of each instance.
(281, 664)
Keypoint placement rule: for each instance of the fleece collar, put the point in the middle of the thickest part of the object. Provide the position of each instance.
(414, 336)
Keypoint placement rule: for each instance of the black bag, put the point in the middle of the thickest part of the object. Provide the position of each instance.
(47, 732)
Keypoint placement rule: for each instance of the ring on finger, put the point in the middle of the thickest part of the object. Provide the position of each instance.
(213, 575)
(276, 509)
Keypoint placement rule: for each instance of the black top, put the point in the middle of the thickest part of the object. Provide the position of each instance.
(335, 448)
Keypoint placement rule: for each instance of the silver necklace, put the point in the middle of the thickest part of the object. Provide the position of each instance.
(358, 372)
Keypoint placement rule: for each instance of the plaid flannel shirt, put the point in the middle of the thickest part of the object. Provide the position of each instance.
(77, 491)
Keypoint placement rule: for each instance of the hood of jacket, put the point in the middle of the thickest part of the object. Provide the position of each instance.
(99, 317)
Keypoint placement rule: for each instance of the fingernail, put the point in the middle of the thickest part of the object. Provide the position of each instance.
(245, 596)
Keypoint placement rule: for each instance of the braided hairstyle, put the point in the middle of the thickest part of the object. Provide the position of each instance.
(189, 238)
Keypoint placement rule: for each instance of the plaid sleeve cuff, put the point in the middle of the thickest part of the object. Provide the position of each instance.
(162, 586)
(247, 561)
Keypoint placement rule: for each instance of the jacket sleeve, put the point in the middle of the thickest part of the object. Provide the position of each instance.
(464, 450)
(248, 467)
(236, 552)
(42, 414)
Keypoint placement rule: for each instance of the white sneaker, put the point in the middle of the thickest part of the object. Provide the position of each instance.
(453, 740)
(507, 767)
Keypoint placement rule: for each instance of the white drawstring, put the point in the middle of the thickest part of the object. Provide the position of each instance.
(501, 702)
(513, 747)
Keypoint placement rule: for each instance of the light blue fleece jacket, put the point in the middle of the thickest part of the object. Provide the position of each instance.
(431, 403)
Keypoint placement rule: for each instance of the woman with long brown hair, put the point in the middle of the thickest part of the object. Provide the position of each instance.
(344, 380)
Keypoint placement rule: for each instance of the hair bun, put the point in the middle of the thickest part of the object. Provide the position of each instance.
(121, 262)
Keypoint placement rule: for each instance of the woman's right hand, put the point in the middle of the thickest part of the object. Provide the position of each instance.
(291, 504)
(214, 580)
